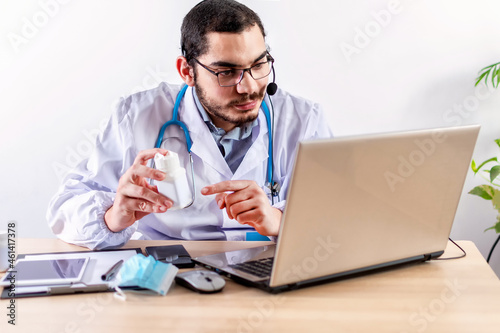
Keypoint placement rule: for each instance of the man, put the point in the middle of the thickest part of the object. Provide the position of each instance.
(108, 199)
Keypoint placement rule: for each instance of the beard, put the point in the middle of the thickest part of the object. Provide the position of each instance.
(226, 112)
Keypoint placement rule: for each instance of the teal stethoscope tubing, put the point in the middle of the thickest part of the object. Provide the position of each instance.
(189, 143)
(175, 121)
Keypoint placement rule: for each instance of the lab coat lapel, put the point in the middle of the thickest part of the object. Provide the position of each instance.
(257, 154)
(204, 145)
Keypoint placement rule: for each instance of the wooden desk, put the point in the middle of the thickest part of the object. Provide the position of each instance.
(441, 296)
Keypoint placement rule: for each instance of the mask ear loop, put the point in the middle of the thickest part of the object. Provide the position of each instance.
(119, 294)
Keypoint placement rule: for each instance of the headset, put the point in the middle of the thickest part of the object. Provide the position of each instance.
(271, 89)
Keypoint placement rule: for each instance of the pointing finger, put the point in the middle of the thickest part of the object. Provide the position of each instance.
(220, 198)
(226, 186)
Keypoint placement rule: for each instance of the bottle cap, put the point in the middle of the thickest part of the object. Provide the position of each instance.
(169, 164)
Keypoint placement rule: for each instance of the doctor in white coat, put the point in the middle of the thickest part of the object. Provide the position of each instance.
(108, 200)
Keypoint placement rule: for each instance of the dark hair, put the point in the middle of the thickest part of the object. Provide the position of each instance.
(214, 16)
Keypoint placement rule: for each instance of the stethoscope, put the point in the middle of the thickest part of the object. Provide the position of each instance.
(272, 185)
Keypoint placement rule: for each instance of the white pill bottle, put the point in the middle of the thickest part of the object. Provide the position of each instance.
(175, 185)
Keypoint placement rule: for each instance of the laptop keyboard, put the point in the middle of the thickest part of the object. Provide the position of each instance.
(261, 267)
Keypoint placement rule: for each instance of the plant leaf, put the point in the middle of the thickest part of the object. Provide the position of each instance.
(490, 228)
(473, 166)
(494, 172)
(484, 191)
(496, 201)
(497, 141)
(487, 67)
(497, 228)
(481, 77)
(493, 159)
(493, 75)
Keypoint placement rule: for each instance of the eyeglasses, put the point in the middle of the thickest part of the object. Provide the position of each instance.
(232, 77)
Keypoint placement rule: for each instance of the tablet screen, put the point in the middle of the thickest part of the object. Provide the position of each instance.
(50, 271)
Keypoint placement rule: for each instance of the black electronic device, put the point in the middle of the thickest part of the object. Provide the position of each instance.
(171, 254)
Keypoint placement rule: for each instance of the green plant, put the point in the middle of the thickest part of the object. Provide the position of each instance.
(489, 191)
(484, 73)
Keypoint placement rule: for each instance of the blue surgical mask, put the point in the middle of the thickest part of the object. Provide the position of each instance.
(145, 272)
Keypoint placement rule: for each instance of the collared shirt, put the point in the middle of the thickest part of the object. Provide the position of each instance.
(232, 145)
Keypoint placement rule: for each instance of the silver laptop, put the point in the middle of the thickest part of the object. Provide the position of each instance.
(359, 204)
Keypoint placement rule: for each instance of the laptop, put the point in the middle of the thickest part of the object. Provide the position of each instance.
(360, 204)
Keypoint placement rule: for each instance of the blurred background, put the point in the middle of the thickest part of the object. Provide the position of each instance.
(375, 66)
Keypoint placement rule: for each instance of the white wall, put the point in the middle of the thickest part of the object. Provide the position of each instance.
(64, 64)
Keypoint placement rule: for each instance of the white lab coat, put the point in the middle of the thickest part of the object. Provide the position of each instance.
(76, 212)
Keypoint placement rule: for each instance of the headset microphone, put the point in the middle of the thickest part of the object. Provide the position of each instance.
(272, 87)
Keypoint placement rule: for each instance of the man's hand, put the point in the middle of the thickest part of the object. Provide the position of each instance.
(247, 204)
(135, 198)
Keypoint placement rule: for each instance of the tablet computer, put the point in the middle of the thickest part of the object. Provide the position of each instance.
(36, 272)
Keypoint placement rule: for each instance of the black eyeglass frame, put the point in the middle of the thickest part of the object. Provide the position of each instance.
(243, 70)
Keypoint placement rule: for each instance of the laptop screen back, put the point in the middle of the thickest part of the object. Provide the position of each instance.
(362, 201)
